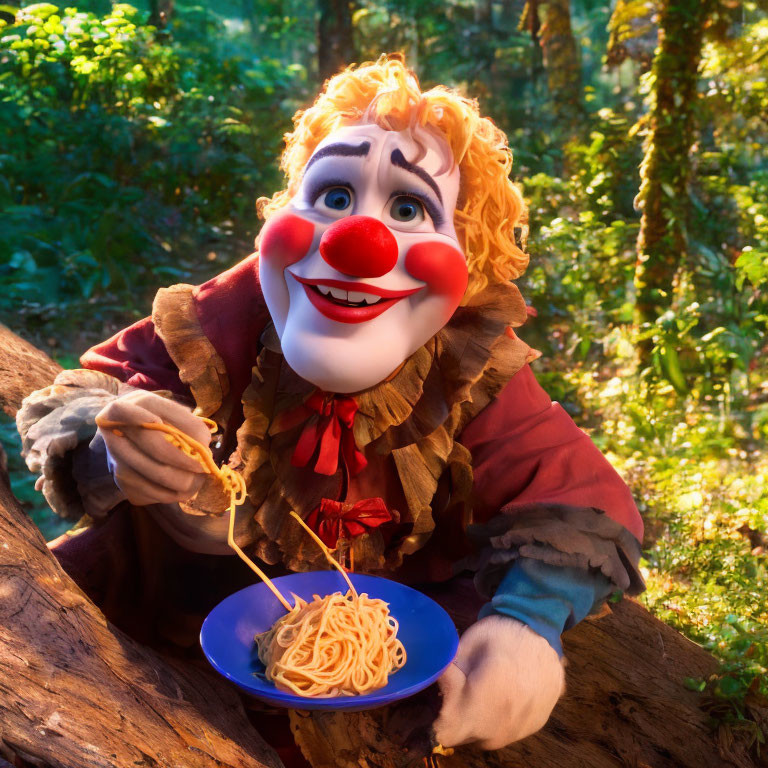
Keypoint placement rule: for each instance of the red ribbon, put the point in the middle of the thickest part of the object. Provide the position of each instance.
(331, 419)
(334, 520)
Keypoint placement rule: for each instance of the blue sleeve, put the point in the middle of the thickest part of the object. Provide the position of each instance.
(548, 598)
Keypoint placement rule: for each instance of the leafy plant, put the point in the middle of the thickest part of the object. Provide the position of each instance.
(139, 161)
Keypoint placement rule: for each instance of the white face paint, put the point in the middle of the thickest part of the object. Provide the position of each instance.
(389, 272)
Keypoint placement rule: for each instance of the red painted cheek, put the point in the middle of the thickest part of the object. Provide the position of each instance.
(441, 266)
(285, 239)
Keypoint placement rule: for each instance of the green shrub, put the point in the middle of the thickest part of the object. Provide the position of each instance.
(128, 161)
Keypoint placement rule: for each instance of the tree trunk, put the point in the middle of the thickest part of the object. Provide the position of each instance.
(75, 692)
(665, 171)
(562, 62)
(625, 706)
(529, 21)
(335, 42)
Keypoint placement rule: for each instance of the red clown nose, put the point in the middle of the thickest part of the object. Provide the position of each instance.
(359, 245)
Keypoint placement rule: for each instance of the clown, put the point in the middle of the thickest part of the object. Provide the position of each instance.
(364, 371)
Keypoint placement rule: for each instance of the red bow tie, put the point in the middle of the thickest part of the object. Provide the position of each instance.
(334, 520)
(331, 419)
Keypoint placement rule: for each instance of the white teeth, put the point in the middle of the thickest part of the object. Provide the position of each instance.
(358, 296)
(353, 297)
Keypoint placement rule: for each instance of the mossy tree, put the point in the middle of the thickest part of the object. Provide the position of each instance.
(550, 25)
(662, 245)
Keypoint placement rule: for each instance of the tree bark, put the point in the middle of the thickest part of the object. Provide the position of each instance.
(75, 692)
(562, 61)
(23, 368)
(665, 171)
(625, 706)
(335, 41)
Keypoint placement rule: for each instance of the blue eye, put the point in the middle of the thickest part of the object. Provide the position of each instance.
(338, 198)
(406, 209)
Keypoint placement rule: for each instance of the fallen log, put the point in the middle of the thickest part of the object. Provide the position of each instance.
(625, 707)
(23, 369)
(75, 692)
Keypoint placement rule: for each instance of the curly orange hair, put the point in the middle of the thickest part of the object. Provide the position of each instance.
(387, 93)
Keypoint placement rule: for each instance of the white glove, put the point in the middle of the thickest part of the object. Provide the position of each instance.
(145, 466)
(501, 687)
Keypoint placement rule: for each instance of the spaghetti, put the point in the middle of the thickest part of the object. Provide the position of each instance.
(337, 645)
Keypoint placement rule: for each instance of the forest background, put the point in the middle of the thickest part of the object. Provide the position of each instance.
(134, 141)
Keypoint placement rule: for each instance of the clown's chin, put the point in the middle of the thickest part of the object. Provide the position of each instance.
(348, 357)
(340, 364)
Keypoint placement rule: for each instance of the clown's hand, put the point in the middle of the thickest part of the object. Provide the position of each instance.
(501, 687)
(145, 466)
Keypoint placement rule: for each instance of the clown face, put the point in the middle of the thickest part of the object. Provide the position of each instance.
(363, 266)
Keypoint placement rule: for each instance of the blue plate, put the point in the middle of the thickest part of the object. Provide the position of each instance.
(426, 631)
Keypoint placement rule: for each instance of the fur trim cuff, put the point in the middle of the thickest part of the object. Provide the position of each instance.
(557, 534)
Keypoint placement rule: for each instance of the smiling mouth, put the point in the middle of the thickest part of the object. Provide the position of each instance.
(346, 302)
(346, 298)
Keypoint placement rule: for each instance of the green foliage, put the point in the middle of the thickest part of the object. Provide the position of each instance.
(734, 69)
(583, 237)
(753, 266)
(702, 484)
(138, 163)
(689, 432)
(751, 203)
(685, 434)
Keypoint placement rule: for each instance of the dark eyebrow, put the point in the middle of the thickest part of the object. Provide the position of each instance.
(399, 160)
(345, 150)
